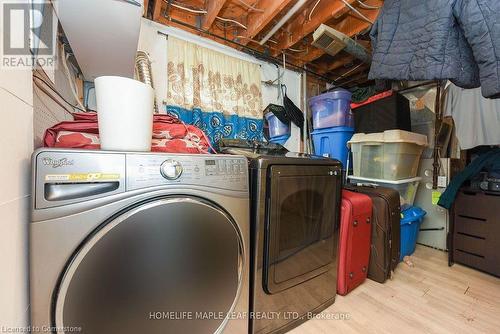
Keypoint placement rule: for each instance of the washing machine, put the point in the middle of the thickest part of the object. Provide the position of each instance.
(139, 243)
(295, 213)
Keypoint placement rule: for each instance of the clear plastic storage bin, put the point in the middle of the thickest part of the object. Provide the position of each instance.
(407, 188)
(389, 155)
(332, 109)
(276, 127)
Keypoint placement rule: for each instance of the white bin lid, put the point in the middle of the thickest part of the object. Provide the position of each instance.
(390, 136)
(377, 181)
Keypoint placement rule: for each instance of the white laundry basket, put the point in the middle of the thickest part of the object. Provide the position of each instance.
(125, 113)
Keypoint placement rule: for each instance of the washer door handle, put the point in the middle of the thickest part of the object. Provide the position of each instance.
(67, 191)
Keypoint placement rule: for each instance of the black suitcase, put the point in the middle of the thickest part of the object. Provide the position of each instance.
(386, 229)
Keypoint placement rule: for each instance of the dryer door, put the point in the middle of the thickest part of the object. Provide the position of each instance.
(302, 224)
(159, 267)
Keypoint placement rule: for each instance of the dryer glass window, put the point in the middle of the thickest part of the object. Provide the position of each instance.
(157, 268)
(302, 218)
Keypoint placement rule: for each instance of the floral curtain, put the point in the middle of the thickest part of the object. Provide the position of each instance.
(218, 93)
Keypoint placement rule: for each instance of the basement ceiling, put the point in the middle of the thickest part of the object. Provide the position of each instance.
(243, 24)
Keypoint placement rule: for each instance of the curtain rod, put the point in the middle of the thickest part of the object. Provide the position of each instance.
(250, 50)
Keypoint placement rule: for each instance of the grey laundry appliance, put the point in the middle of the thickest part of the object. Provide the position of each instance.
(435, 226)
(139, 243)
(295, 201)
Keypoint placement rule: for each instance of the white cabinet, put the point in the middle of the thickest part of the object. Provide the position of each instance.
(103, 34)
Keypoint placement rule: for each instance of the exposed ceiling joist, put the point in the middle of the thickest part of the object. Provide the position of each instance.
(213, 9)
(157, 10)
(338, 63)
(146, 4)
(260, 16)
(360, 68)
(352, 25)
(271, 9)
(300, 28)
(312, 54)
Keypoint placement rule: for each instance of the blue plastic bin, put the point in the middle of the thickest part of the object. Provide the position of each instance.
(332, 109)
(332, 142)
(280, 139)
(410, 226)
(276, 127)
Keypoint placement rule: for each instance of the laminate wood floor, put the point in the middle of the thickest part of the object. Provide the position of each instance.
(427, 298)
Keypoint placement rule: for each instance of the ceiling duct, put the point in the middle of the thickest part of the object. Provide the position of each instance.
(333, 41)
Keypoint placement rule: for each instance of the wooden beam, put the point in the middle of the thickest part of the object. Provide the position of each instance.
(352, 25)
(345, 74)
(338, 61)
(259, 21)
(313, 54)
(157, 10)
(301, 27)
(213, 9)
(146, 4)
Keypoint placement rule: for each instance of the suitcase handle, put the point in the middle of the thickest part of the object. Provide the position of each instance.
(370, 185)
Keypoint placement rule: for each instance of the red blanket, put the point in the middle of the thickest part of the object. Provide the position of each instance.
(169, 134)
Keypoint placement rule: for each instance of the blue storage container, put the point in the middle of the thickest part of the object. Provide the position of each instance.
(332, 109)
(410, 226)
(280, 139)
(276, 127)
(332, 142)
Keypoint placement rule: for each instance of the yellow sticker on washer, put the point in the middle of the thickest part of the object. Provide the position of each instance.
(85, 177)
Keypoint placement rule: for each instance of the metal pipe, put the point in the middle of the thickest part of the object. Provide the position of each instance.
(436, 162)
(283, 20)
(305, 137)
(144, 72)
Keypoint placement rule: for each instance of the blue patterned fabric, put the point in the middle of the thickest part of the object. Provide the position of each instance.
(216, 125)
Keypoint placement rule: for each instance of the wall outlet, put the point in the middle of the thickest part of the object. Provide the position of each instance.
(442, 181)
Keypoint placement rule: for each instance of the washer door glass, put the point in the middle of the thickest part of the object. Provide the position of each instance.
(161, 267)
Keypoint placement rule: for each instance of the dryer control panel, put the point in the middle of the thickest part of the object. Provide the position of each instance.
(223, 172)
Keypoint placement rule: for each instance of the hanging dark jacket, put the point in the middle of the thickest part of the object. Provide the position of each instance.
(439, 39)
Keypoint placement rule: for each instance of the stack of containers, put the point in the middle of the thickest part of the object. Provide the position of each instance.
(388, 159)
(279, 132)
(333, 124)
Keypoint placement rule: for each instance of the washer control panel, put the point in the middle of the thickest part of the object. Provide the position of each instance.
(218, 171)
(171, 169)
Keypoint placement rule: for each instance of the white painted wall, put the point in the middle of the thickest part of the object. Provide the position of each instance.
(16, 146)
(156, 45)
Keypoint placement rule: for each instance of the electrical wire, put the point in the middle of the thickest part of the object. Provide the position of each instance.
(194, 11)
(245, 48)
(57, 93)
(232, 21)
(297, 50)
(65, 57)
(365, 6)
(48, 110)
(250, 6)
(278, 78)
(202, 11)
(350, 71)
(312, 10)
(361, 15)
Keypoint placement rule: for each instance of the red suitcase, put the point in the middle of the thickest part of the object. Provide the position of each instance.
(355, 241)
